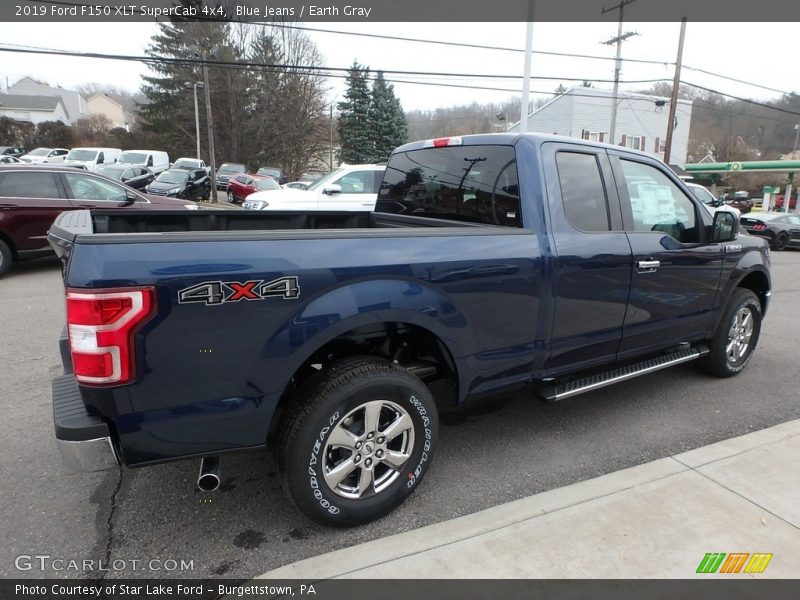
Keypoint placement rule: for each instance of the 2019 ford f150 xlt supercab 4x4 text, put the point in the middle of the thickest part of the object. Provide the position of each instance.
(533, 260)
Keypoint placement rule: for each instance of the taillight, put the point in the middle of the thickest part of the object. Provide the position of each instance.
(759, 227)
(101, 324)
(442, 142)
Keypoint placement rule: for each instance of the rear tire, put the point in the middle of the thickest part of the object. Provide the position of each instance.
(357, 441)
(780, 242)
(736, 337)
(5, 258)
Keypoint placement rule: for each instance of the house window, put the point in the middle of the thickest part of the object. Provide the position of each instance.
(598, 136)
(661, 145)
(632, 141)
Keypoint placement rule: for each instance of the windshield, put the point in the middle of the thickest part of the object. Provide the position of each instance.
(324, 180)
(39, 152)
(111, 172)
(172, 177)
(703, 195)
(231, 168)
(270, 172)
(185, 162)
(78, 154)
(133, 157)
(266, 184)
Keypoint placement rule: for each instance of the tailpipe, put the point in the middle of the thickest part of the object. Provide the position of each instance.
(208, 479)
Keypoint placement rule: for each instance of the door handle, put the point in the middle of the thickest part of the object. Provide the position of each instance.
(648, 266)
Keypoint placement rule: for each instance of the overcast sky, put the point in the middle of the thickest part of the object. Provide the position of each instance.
(762, 53)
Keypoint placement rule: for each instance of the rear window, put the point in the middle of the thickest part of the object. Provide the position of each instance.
(476, 184)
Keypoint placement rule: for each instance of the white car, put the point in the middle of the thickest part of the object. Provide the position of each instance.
(350, 187)
(708, 200)
(44, 155)
(184, 162)
(155, 160)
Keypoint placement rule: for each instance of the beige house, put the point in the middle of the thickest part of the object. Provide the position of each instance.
(100, 104)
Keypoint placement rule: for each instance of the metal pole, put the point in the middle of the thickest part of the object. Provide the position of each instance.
(526, 80)
(212, 159)
(330, 157)
(676, 82)
(196, 120)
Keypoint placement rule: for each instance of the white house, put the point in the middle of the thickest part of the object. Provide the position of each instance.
(585, 113)
(101, 104)
(33, 109)
(74, 104)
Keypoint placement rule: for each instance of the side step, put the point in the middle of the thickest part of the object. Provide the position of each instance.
(568, 389)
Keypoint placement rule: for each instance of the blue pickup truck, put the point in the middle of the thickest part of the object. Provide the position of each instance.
(492, 261)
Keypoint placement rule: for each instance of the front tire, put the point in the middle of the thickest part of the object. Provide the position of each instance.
(5, 258)
(358, 441)
(736, 337)
(231, 198)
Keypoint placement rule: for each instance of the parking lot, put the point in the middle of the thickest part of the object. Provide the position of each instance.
(499, 451)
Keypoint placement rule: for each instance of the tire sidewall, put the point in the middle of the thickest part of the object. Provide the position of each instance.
(5, 258)
(781, 242)
(750, 301)
(312, 491)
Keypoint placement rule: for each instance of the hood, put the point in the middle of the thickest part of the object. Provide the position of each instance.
(166, 201)
(161, 185)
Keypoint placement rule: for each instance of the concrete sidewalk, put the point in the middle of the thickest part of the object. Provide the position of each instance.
(656, 520)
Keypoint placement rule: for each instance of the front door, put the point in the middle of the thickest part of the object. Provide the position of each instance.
(676, 270)
(359, 192)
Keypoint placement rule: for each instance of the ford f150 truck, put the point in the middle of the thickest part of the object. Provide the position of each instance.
(518, 260)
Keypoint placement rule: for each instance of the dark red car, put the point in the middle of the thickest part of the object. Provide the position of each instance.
(32, 196)
(241, 186)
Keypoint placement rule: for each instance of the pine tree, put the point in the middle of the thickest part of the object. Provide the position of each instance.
(354, 118)
(387, 121)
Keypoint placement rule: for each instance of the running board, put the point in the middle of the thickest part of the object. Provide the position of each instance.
(568, 389)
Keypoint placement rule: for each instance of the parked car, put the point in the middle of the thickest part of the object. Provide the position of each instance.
(155, 160)
(274, 172)
(350, 187)
(10, 160)
(190, 163)
(12, 151)
(91, 158)
(332, 331)
(780, 229)
(136, 177)
(32, 196)
(241, 186)
(709, 201)
(181, 183)
(44, 155)
(226, 171)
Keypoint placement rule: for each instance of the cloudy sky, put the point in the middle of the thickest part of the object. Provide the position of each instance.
(760, 53)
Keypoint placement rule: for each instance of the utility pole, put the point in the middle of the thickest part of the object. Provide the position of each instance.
(330, 157)
(212, 160)
(196, 112)
(618, 63)
(526, 78)
(676, 82)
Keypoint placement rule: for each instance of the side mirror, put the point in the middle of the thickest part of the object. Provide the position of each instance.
(130, 198)
(331, 189)
(725, 226)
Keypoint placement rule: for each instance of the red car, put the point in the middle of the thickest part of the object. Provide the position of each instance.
(241, 186)
(32, 196)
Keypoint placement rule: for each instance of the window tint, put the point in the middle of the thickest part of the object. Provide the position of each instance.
(582, 191)
(658, 204)
(463, 183)
(29, 185)
(86, 187)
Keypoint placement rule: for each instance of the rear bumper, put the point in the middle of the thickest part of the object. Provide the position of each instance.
(83, 440)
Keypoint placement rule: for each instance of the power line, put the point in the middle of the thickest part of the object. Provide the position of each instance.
(755, 102)
(756, 85)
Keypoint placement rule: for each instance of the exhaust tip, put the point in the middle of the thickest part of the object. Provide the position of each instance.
(208, 479)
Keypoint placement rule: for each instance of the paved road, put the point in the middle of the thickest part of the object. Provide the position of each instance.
(514, 447)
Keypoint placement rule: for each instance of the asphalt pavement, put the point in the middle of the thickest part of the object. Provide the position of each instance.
(507, 449)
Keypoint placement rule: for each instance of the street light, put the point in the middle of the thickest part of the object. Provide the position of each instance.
(194, 86)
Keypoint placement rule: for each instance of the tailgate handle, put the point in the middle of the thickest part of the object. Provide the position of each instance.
(648, 266)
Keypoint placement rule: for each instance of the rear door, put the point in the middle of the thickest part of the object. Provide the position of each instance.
(676, 270)
(592, 270)
(29, 203)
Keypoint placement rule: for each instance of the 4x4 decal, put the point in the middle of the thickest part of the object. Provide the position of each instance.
(214, 293)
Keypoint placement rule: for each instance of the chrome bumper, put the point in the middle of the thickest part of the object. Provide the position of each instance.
(88, 456)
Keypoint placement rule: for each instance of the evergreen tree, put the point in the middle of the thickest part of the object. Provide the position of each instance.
(387, 121)
(354, 118)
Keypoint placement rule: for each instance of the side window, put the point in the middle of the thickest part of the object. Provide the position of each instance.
(29, 185)
(582, 191)
(793, 219)
(86, 187)
(657, 204)
(358, 182)
(100, 158)
(150, 161)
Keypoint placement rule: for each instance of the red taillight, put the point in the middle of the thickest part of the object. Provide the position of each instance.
(759, 227)
(442, 142)
(101, 324)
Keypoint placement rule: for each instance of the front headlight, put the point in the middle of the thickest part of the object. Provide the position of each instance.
(174, 191)
(191, 207)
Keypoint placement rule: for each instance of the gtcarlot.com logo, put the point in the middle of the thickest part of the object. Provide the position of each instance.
(45, 562)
